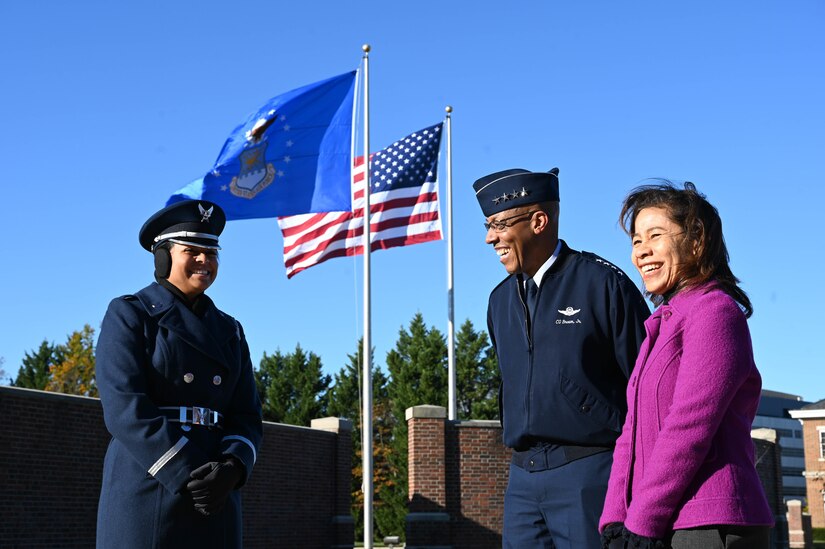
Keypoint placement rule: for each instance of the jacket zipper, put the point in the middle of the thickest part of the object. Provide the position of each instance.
(528, 326)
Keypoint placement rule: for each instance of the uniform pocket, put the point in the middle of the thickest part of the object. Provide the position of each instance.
(586, 404)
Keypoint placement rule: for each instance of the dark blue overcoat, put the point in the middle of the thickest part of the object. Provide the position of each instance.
(154, 352)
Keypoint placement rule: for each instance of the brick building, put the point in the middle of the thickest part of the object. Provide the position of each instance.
(774, 413)
(812, 417)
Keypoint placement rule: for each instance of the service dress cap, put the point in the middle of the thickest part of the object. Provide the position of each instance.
(192, 222)
(514, 188)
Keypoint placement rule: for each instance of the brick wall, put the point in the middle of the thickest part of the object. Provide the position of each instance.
(51, 462)
(814, 470)
(458, 473)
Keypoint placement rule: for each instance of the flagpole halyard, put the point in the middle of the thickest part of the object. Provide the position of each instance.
(451, 372)
(366, 426)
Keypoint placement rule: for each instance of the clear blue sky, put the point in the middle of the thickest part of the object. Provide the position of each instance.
(107, 108)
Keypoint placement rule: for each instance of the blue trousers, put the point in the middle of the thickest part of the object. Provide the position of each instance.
(556, 508)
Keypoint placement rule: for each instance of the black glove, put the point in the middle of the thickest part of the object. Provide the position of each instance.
(635, 541)
(613, 536)
(212, 483)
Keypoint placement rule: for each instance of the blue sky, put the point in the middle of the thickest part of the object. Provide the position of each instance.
(107, 108)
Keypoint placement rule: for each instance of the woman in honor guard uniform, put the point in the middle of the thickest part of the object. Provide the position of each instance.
(683, 472)
(179, 397)
(566, 327)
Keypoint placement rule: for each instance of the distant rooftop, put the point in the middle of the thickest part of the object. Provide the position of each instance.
(776, 404)
(777, 394)
(819, 405)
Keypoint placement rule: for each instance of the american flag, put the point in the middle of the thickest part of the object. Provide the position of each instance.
(403, 206)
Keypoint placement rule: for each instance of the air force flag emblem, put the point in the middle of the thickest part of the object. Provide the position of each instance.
(255, 174)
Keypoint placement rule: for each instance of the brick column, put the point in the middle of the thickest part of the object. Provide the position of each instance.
(800, 533)
(428, 524)
(343, 525)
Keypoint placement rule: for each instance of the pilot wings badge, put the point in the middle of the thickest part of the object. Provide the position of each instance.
(255, 174)
(570, 311)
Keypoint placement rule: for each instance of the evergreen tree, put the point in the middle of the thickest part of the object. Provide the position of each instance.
(35, 371)
(418, 375)
(75, 373)
(345, 401)
(477, 378)
(273, 390)
(292, 387)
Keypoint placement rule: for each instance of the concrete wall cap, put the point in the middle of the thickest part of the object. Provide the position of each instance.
(764, 433)
(479, 423)
(426, 411)
(331, 424)
(49, 394)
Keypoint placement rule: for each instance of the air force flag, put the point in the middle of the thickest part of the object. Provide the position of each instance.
(291, 156)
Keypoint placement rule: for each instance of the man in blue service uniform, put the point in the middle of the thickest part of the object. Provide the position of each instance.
(179, 397)
(566, 327)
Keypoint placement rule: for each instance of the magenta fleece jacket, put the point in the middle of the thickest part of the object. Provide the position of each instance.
(685, 457)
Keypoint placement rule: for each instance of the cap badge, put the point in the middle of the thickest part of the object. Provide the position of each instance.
(206, 214)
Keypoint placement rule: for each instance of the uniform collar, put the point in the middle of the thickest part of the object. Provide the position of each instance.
(207, 333)
(547, 264)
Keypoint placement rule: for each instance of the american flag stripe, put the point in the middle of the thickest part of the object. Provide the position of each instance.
(404, 208)
(320, 245)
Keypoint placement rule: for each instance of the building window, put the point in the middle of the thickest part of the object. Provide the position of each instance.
(793, 452)
(822, 444)
(797, 433)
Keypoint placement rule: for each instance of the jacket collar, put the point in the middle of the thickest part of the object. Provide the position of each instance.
(683, 301)
(208, 333)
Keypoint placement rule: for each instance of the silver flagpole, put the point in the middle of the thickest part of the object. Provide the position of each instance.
(451, 392)
(366, 425)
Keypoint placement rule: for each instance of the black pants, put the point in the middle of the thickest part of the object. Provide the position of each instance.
(722, 537)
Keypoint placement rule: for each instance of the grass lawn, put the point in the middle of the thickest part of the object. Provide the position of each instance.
(819, 538)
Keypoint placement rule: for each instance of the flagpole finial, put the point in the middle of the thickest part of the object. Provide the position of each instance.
(449, 109)
(366, 48)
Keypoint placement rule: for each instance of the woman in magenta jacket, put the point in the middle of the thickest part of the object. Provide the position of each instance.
(683, 472)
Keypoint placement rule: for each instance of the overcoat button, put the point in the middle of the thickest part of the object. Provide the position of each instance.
(532, 462)
(217, 380)
(188, 377)
(585, 408)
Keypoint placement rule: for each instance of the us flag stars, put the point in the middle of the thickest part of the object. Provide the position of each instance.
(406, 162)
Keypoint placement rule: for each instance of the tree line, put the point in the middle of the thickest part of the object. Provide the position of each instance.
(293, 389)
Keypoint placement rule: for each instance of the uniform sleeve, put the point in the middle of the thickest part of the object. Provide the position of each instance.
(130, 415)
(629, 314)
(243, 429)
(716, 360)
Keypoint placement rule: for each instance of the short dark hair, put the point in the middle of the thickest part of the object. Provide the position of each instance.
(702, 227)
